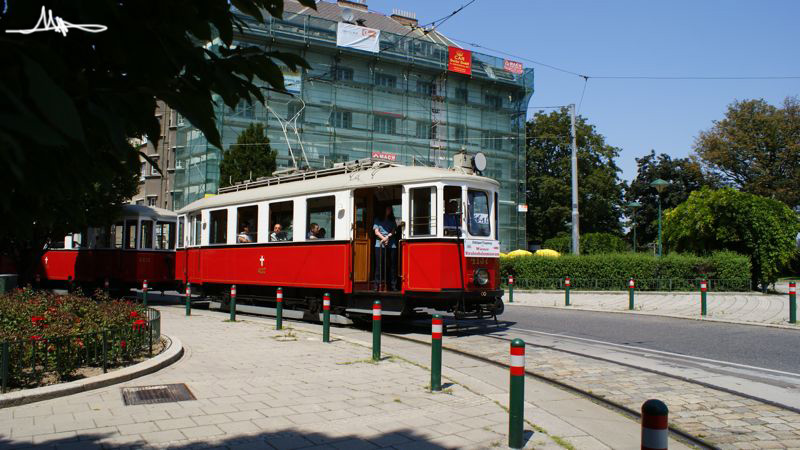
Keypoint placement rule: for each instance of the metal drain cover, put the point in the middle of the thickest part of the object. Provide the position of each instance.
(162, 393)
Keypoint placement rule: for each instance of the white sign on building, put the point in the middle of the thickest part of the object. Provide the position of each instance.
(360, 38)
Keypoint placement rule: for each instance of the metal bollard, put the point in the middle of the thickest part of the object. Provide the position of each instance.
(516, 403)
(233, 303)
(188, 299)
(631, 288)
(567, 284)
(792, 302)
(655, 424)
(279, 308)
(326, 317)
(703, 289)
(69, 283)
(376, 330)
(436, 352)
(105, 286)
(511, 289)
(144, 292)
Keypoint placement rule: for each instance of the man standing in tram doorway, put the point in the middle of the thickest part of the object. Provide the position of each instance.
(385, 250)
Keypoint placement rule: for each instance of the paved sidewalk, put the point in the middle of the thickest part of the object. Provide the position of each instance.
(733, 307)
(257, 386)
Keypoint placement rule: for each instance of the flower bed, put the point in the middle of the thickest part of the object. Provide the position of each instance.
(47, 338)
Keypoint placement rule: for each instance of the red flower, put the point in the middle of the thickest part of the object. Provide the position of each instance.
(134, 314)
(122, 344)
(37, 320)
(36, 338)
(139, 324)
(79, 342)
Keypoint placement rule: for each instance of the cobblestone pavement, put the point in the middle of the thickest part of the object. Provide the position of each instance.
(736, 307)
(726, 420)
(257, 386)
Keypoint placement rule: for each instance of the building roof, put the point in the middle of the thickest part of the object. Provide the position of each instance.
(371, 19)
(383, 176)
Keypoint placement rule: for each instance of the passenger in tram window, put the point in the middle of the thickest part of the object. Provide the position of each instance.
(313, 231)
(386, 250)
(277, 233)
(245, 236)
(321, 234)
(452, 219)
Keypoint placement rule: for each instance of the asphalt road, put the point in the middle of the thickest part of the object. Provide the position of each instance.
(770, 348)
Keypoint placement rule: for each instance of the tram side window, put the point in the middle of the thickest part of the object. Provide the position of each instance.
(219, 227)
(320, 217)
(478, 213)
(181, 225)
(196, 230)
(452, 210)
(147, 234)
(117, 235)
(165, 235)
(496, 217)
(281, 216)
(247, 224)
(130, 234)
(422, 218)
(77, 240)
(102, 238)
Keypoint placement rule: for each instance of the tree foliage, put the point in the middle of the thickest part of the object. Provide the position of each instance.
(71, 103)
(548, 184)
(249, 158)
(756, 148)
(684, 176)
(726, 219)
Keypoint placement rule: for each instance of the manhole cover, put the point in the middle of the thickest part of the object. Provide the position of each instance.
(162, 393)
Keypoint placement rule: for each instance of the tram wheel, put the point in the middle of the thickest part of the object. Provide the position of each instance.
(498, 306)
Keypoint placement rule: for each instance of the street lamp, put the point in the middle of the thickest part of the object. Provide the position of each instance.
(634, 205)
(660, 185)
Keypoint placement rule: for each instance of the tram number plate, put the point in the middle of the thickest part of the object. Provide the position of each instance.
(477, 248)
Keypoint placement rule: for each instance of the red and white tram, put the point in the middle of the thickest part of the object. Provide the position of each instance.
(139, 246)
(312, 232)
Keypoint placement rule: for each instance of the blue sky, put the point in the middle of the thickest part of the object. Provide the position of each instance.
(611, 38)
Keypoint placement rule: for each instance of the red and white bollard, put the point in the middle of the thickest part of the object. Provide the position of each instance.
(567, 284)
(703, 289)
(233, 304)
(792, 302)
(144, 292)
(631, 289)
(516, 403)
(326, 318)
(655, 424)
(279, 309)
(511, 289)
(376, 330)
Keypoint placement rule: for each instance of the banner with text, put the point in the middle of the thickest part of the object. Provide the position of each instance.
(459, 61)
(476, 248)
(360, 38)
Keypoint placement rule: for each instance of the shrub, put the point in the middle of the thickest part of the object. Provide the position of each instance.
(591, 243)
(561, 243)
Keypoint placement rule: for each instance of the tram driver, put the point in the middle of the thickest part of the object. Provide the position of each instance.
(386, 250)
(452, 218)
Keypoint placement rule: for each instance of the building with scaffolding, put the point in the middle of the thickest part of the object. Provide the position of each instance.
(378, 86)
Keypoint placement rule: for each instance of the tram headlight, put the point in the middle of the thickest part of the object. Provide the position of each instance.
(481, 277)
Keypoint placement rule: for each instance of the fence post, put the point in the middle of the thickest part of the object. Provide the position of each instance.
(233, 303)
(279, 309)
(703, 289)
(144, 292)
(105, 286)
(655, 422)
(376, 330)
(567, 284)
(511, 289)
(516, 404)
(38, 279)
(105, 351)
(188, 299)
(4, 367)
(69, 283)
(436, 352)
(792, 302)
(326, 317)
(631, 289)
(150, 331)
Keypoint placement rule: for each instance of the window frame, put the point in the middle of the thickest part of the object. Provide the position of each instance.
(343, 119)
(143, 239)
(181, 232)
(433, 210)
(253, 228)
(331, 233)
(386, 80)
(195, 229)
(126, 240)
(389, 120)
(223, 229)
(470, 212)
(270, 224)
(343, 70)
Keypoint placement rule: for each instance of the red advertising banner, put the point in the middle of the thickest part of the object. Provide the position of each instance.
(512, 66)
(384, 156)
(460, 61)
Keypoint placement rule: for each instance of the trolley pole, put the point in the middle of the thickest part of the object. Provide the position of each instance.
(436, 352)
(655, 422)
(279, 309)
(511, 289)
(703, 289)
(376, 330)
(188, 299)
(631, 288)
(516, 404)
(144, 292)
(792, 302)
(567, 284)
(326, 317)
(233, 303)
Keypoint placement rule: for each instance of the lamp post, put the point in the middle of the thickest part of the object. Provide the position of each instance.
(659, 185)
(633, 206)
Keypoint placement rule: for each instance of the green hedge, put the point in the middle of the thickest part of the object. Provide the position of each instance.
(591, 243)
(610, 271)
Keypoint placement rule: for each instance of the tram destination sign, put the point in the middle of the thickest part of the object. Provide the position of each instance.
(478, 248)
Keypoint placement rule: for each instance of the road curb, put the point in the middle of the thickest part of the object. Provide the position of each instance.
(671, 316)
(172, 354)
(644, 293)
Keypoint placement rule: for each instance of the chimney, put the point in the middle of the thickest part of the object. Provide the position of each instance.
(405, 17)
(355, 4)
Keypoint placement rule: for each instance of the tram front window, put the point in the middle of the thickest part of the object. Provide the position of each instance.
(478, 213)
(452, 211)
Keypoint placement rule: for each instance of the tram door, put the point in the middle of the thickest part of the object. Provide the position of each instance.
(362, 226)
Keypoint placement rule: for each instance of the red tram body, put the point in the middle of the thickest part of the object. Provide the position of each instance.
(260, 236)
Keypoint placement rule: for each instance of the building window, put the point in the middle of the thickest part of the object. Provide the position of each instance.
(382, 79)
(147, 234)
(460, 134)
(492, 141)
(218, 221)
(281, 218)
(151, 201)
(247, 224)
(179, 119)
(425, 88)
(143, 171)
(422, 219)
(462, 95)
(343, 119)
(320, 217)
(344, 74)
(295, 109)
(478, 213)
(424, 130)
(384, 124)
(153, 170)
(493, 100)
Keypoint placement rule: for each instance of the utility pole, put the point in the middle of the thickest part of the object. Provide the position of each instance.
(576, 248)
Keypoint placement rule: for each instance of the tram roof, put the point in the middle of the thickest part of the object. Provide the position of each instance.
(369, 177)
(152, 212)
